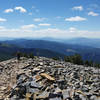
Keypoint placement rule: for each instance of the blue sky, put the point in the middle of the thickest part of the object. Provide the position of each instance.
(50, 18)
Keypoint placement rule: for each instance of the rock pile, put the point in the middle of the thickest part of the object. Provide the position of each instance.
(46, 79)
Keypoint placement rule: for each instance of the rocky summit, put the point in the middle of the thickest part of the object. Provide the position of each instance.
(47, 79)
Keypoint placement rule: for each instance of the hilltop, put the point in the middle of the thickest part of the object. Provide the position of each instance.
(47, 79)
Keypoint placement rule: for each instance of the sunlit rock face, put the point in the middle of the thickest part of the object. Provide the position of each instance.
(47, 79)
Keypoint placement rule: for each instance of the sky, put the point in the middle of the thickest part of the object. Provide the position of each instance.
(50, 18)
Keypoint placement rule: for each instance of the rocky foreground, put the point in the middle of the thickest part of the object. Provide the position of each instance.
(46, 79)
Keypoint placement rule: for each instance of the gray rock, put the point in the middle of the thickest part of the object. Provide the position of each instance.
(71, 82)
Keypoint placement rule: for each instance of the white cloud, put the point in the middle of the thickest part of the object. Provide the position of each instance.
(75, 19)
(30, 26)
(21, 9)
(48, 32)
(78, 8)
(44, 24)
(91, 13)
(3, 20)
(2, 27)
(72, 29)
(39, 19)
(8, 10)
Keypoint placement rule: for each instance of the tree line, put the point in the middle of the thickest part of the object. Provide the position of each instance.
(77, 59)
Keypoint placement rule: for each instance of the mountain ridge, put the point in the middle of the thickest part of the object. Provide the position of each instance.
(87, 52)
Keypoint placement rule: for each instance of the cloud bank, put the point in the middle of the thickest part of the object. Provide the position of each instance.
(21, 9)
(75, 19)
(3, 20)
(31, 32)
(9, 10)
(91, 13)
(80, 8)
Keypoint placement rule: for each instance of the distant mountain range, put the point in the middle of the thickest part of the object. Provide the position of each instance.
(84, 42)
(55, 47)
(92, 42)
(8, 51)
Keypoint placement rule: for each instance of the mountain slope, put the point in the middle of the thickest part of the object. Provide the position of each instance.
(91, 42)
(88, 53)
(83, 41)
(8, 51)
